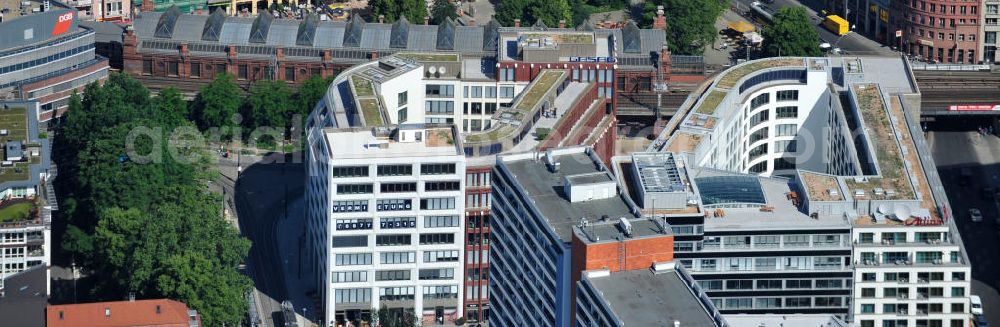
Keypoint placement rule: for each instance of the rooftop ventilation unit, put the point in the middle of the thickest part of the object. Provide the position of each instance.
(626, 226)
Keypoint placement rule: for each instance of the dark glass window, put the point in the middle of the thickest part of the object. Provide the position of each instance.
(354, 189)
(398, 187)
(395, 170)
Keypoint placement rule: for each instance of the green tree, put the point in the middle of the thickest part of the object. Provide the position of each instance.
(529, 11)
(170, 108)
(310, 92)
(413, 10)
(393, 317)
(441, 10)
(140, 218)
(791, 34)
(691, 23)
(268, 113)
(217, 102)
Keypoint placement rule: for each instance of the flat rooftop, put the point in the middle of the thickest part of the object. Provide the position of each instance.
(359, 143)
(783, 320)
(646, 298)
(869, 89)
(610, 230)
(545, 189)
(776, 211)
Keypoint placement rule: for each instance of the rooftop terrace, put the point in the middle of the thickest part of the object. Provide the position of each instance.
(360, 143)
(560, 37)
(14, 121)
(524, 108)
(821, 187)
(882, 137)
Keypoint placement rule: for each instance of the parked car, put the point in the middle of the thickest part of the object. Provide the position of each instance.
(987, 193)
(975, 215)
(975, 305)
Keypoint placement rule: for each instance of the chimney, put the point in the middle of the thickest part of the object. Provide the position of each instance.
(279, 54)
(562, 23)
(660, 22)
(472, 22)
(374, 55)
(381, 19)
(184, 53)
(427, 20)
(517, 22)
(665, 62)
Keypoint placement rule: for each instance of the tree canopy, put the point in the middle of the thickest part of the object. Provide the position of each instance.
(441, 10)
(217, 102)
(138, 217)
(414, 10)
(691, 23)
(529, 11)
(791, 34)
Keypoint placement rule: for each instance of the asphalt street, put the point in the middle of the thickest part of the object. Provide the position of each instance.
(259, 200)
(957, 147)
(851, 43)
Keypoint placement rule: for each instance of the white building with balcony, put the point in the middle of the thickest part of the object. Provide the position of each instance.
(841, 137)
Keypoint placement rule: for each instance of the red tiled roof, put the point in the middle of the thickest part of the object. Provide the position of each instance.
(122, 313)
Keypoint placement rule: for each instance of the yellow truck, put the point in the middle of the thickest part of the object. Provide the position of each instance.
(836, 25)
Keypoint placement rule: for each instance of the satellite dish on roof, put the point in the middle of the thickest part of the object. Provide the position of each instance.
(883, 209)
(442, 70)
(432, 69)
(901, 212)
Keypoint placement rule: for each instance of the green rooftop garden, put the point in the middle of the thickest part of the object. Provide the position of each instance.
(16, 212)
(711, 102)
(362, 86)
(369, 108)
(537, 90)
(733, 75)
(882, 138)
(15, 122)
(430, 56)
(493, 134)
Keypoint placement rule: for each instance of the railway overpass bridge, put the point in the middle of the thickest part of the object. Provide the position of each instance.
(957, 94)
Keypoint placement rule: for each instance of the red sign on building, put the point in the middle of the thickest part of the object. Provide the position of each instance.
(63, 23)
(974, 107)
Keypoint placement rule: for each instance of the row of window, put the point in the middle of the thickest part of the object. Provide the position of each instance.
(904, 277)
(46, 60)
(773, 284)
(387, 204)
(397, 222)
(392, 170)
(779, 302)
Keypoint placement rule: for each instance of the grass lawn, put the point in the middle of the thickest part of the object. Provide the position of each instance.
(362, 86)
(15, 121)
(369, 108)
(15, 212)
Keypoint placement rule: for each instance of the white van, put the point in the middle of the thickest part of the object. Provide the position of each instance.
(976, 306)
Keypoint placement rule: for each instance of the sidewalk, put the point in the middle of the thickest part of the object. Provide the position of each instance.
(291, 235)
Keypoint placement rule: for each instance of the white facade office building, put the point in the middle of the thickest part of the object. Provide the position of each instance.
(842, 136)
(385, 200)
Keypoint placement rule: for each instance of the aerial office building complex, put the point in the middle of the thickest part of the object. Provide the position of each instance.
(851, 219)
(45, 55)
(555, 102)
(552, 88)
